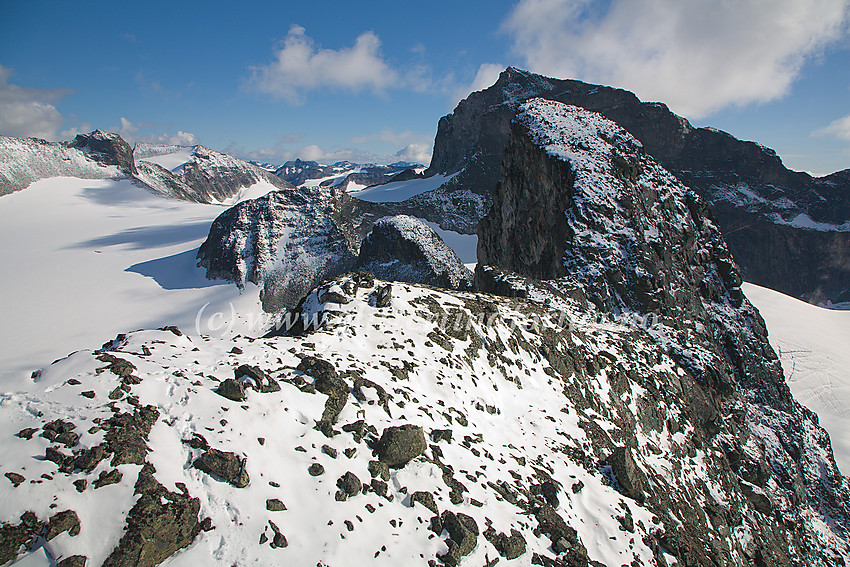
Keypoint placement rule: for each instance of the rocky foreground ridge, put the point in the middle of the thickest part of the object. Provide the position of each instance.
(606, 397)
(788, 231)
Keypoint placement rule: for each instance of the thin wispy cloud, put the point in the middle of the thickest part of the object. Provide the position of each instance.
(839, 128)
(697, 56)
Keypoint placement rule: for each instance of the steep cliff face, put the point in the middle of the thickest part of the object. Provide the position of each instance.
(739, 179)
(581, 205)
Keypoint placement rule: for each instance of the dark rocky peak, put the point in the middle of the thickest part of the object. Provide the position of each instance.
(403, 248)
(759, 204)
(581, 205)
(106, 148)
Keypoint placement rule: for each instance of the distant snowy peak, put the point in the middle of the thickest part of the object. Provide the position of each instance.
(199, 174)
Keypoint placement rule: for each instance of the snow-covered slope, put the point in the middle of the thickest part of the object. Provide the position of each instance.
(397, 191)
(813, 344)
(510, 446)
(88, 259)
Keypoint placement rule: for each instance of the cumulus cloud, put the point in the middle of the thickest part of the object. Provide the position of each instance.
(416, 153)
(300, 65)
(27, 112)
(697, 56)
(134, 132)
(485, 77)
(839, 128)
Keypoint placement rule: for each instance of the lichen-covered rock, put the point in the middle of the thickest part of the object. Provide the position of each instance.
(159, 524)
(399, 444)
(404, 248)
(228, 466)
(349, 484)
(65, 521)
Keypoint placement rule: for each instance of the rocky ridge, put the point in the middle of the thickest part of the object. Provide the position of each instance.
(582, 206)
(208, 176)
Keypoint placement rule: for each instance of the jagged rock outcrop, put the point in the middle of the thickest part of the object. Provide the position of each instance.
(287, 241)
(403, 248)
(755, 199)
(106, 148)
(582, 205)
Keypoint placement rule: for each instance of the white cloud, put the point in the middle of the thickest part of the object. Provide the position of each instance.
(130, 131)
(839, 128)
(300, 65)
(416, 153)
(26, 112)
(486, 75)
(697, 56)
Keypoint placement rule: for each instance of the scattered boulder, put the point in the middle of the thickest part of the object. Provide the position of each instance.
(106, 478)
(27, 433)
(399, 444)
(463, 536)
(349, 484)
(426, 499)
(383, 296)
(260, 381)
(329, 383)
(14, 537)
(275, 505)
(379, 469)
(225, 465)
(15, 478)
(232, 390)
(316, 469)
(508, 546)
(65, 521)
(563, 537)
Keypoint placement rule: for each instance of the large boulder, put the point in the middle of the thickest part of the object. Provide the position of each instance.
(403, 248)
(399, 444)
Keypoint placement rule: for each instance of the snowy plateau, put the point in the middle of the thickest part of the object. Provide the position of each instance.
(563, 412)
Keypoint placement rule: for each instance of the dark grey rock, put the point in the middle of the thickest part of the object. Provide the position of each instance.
(399, 444)
(349, 484)
(232, 390)
(463, 536)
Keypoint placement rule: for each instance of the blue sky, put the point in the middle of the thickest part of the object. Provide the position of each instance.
(369, 81)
